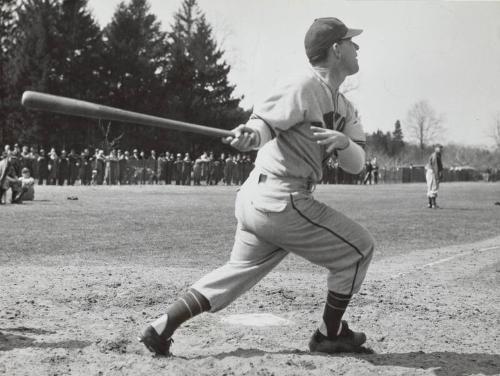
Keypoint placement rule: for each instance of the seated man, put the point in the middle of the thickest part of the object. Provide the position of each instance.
(27, 185)
(8, 179)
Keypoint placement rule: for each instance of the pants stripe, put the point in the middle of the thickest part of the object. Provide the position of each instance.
(336, 235)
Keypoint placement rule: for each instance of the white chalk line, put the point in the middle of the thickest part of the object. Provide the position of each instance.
(441, 261)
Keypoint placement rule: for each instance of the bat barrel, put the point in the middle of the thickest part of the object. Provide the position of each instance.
(69, 106)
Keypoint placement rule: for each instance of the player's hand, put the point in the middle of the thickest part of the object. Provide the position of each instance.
(244, 139)
(333, 140)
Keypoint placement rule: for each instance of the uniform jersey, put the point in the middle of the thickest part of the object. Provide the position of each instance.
(310, 100)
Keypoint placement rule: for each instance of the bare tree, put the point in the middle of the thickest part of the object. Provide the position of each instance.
(108, 144)
(495, 130)
(423, 123)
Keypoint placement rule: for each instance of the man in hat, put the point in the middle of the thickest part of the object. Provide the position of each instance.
(295, 130)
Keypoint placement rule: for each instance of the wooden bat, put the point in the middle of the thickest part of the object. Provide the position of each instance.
(69, 106)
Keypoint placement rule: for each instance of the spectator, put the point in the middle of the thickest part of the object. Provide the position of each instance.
(42, 167)
(63, 168)
(27, 185)
(74, 167)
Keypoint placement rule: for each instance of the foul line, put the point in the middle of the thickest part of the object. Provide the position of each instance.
(441, 261)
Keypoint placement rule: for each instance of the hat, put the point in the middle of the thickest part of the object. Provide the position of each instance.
(26, 169)
(323, 33)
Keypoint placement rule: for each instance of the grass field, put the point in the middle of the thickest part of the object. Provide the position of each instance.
(81, 278)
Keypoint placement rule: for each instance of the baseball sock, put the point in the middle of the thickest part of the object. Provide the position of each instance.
(187, 306)
(335, 307)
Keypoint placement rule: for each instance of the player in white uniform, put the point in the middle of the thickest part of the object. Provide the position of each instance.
(296, 131)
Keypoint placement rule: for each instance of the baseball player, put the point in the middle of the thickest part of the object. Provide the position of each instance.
(296, 130)
(433, 174)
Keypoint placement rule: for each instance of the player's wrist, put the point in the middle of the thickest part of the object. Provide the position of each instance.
(345, 145)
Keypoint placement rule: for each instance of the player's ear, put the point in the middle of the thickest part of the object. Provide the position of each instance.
(336, 50)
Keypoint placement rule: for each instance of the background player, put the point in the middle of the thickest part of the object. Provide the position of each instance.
(295, 130)
(433, 174)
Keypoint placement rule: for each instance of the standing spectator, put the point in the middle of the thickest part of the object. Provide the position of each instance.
(42, 167)
(210, 168)
(433, 175)
(178, 169)
(228, 170)
(237, 169)
(74, 167)
(134, 167)
(153, 167)
(197, 171)
(24, 158)
(85, 167)
(375, 170)
(186, 169)
(368, 172)
(161, 169)
(169, 167)
(99, 167)
(142, 168)
(111, 168)
(33, 166)
(122, 167)
(52, 165)
(63, 168)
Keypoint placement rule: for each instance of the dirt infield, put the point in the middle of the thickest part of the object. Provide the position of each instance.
(426, 311)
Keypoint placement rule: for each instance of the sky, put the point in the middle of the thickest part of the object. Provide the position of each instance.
(444, 52)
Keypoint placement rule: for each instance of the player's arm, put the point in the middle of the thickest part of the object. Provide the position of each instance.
(350, 155)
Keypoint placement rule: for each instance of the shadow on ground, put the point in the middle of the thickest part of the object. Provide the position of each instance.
(442, 363)
(9, 341)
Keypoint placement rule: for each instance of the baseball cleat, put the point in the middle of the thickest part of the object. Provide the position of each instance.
(156, 343)
(346, 341)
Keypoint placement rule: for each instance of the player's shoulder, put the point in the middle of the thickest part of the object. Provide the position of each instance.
(302, 82)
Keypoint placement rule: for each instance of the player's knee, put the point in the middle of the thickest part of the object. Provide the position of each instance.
(367, 246)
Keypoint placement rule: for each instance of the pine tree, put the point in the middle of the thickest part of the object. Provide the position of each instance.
(7, 28)
(135, 55)
(32, 67)
(197, 78)
(79, 64)
(398, 143)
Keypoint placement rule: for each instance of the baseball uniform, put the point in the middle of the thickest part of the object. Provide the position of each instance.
(276, 211)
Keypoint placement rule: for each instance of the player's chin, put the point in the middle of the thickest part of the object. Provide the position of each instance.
(354, 68)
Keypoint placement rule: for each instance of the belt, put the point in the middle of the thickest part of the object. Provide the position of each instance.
(294, 183)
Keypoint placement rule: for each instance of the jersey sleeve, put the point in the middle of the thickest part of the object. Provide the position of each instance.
(292, 105)
(353, 128)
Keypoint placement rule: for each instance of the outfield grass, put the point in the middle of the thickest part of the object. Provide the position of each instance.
(172, 225)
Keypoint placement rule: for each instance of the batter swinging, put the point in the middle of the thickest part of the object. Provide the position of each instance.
(296, 131)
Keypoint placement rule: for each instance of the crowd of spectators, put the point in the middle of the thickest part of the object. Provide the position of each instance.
(124, 167)
(121, 167)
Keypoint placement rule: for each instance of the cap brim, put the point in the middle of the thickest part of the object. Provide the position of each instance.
(352, 33)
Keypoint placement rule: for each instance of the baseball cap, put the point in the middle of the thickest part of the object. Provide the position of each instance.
(323, 33)
(25, 169)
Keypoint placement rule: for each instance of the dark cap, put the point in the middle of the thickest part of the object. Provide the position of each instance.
(323, 33)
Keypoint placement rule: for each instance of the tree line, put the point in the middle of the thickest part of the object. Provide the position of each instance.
(56, 46)
(135, 63)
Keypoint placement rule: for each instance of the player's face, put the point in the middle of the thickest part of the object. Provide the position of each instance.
(349, 56)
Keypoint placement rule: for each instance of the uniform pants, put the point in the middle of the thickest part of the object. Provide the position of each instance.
(432, 183)
(269, 228)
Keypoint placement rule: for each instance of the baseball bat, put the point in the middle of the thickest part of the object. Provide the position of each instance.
(69, 106)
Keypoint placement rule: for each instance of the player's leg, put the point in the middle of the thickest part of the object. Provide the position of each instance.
(328, 238)
(432, 188)
(251, 259)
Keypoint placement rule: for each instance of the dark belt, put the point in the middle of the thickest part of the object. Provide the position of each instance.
(306, 183)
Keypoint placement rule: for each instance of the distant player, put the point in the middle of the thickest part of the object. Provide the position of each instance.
(296, 130)
(433, 175)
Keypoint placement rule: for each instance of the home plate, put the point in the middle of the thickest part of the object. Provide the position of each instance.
(256, 319)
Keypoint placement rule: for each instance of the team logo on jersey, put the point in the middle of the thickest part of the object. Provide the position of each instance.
(334, 120)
